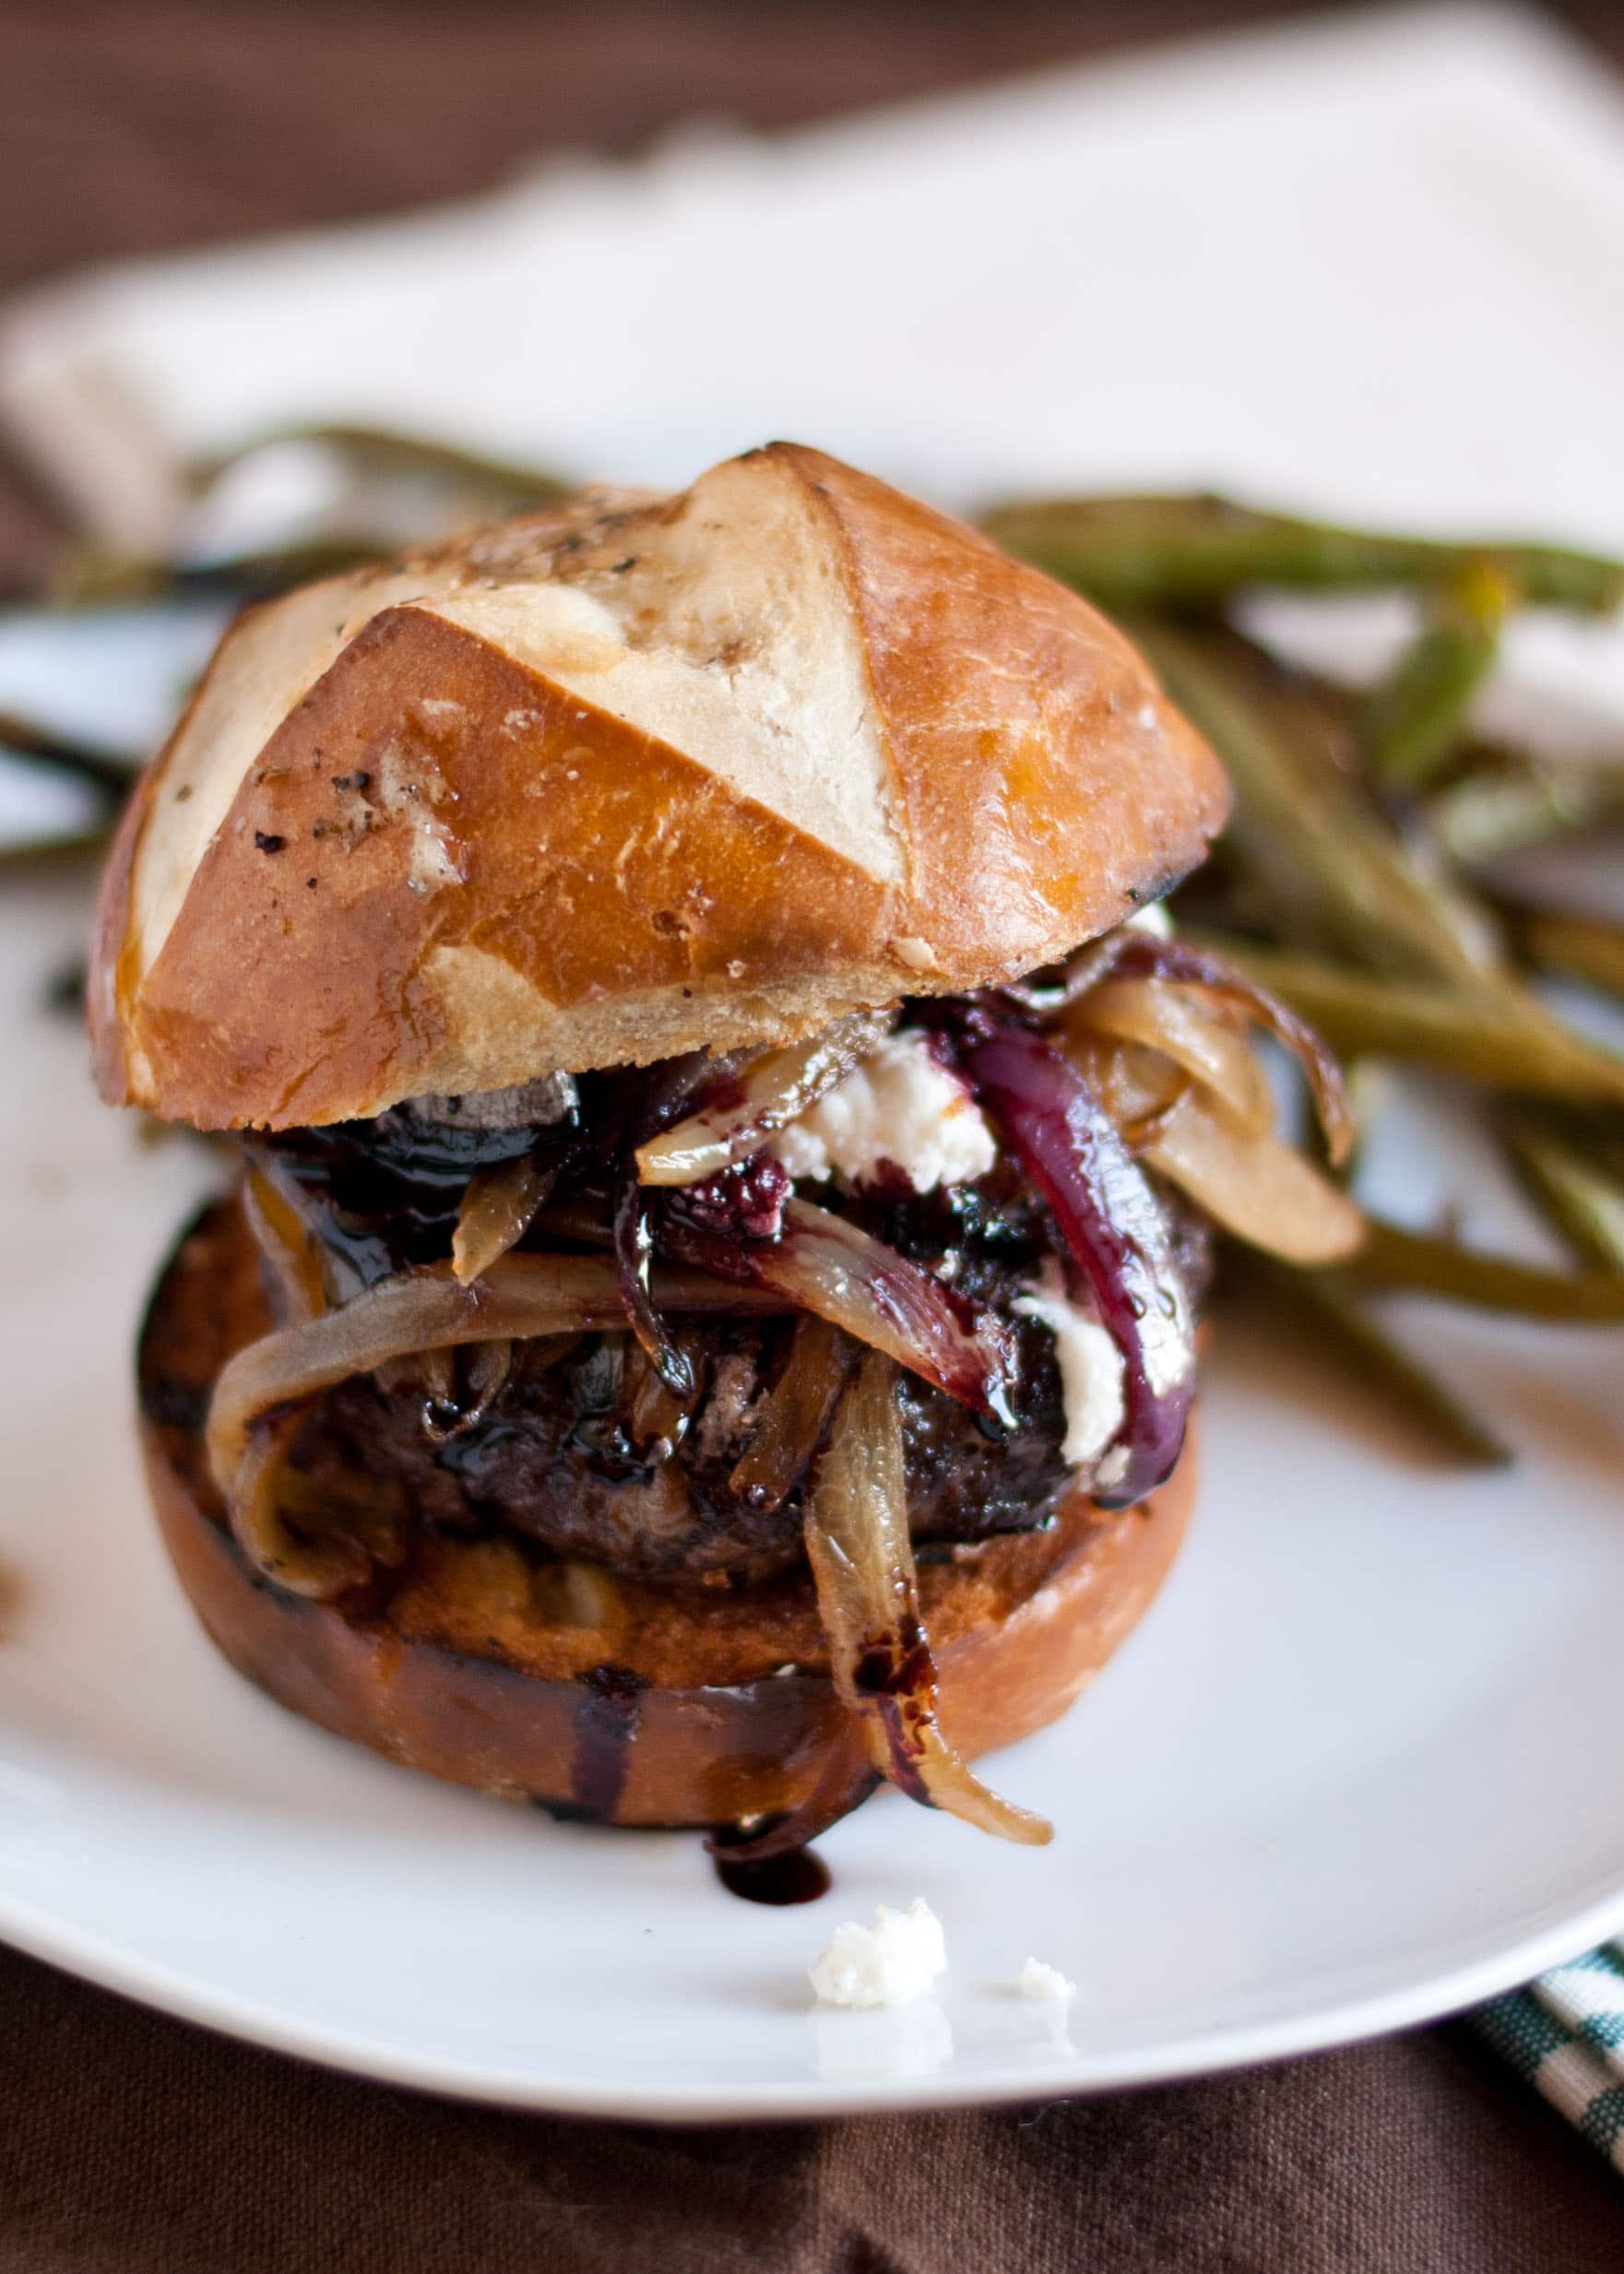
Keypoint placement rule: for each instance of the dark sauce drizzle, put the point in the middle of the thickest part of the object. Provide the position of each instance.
(796, 1877)
(605, 1723)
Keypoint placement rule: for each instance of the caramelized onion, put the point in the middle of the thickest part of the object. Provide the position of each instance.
(1260, 1190)
(862, 1564)
(317, 1568)
(656, 1418)
(1087, 967)
(1137, 1086)
(792, 1419)
(761, 1099)
(1143, 955)
(634, 1249)
(1117, 1235)
(449, 1412)
(426, 1311)
(846, 1780)
(824, 1264)
(287, 1245)
(1183, 1025)
(499, 1204)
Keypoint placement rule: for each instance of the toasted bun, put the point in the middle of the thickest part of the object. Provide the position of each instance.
(613, 781)
(650, 1706)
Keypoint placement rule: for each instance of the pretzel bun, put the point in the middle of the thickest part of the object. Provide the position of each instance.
(614, 780)
(628, 1703)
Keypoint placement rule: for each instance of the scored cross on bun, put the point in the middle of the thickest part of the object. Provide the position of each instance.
(708, 1322)
(620, 779)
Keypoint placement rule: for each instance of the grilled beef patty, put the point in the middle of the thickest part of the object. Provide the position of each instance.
(555, 1455)
(562, 1454)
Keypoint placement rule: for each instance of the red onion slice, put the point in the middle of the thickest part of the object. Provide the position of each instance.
(824, 1264)
(862, 1564)
(1115, 1233)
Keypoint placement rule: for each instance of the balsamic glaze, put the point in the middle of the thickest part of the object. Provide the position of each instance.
(796, 1877)
(605, 1723)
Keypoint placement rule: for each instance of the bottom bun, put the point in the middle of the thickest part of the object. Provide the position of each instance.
(597, 1697)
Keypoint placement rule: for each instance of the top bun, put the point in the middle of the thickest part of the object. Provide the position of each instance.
(614, 780)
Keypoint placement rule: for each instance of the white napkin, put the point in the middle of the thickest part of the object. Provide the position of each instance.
(1365, 263)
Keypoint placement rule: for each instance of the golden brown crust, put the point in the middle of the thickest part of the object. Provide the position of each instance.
(645, 1705)
(609, 782)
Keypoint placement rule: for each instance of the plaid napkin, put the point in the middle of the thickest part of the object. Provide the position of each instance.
(1565, 2035)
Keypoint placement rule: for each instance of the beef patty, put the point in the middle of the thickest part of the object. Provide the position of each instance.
(563, 1454)
(557, 1457)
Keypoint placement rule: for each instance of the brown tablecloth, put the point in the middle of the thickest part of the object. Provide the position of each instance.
(130, 2144)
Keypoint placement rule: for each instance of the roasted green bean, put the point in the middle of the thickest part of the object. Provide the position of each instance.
(1429, 1264)
(1185, 552)
(1415, 718)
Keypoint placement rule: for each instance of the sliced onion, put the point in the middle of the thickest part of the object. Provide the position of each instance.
(1180, 1025)
(846, 1779)
(1254, 1186)
(317, 1568)
(862, 1564)
(656, 1419)
(1138, 1087)
(499, 1204)
(1086, 967)
(287, 1245)
(750, 1104)
(425, 1310)
(824, 1264)
(1117, 1235)
(449, 1412)
(790, 1422)
(634, 1248)
(1144, 955)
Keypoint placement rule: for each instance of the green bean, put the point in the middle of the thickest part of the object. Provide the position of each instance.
(372, 451)
(1580, 1199)
(1479, 1032)
(1415, 719)
(1579, 947)
(1332, 871)
(90, 574)
(1374, 1358)
(1184, 551)
(1510, 800)
(1427, 1264)
(395, 490)
(32, 744)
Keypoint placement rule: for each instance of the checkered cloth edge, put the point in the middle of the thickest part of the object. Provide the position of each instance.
(1565, 2035)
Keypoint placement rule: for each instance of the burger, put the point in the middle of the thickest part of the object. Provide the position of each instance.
(728, 1141)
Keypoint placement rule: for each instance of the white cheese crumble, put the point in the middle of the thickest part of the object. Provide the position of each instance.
(1044, 1986)
(902, 1105)
(899, 1957)
(1090, 1364)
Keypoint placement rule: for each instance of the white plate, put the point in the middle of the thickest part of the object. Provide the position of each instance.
(1364, 1762)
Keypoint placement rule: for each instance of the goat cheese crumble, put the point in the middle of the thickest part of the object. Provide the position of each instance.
(897, 1958)
(1044, 1986)
(900, 1106)
(1090, 1364)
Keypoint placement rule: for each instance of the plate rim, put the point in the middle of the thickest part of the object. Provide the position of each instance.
(1409, 2005)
